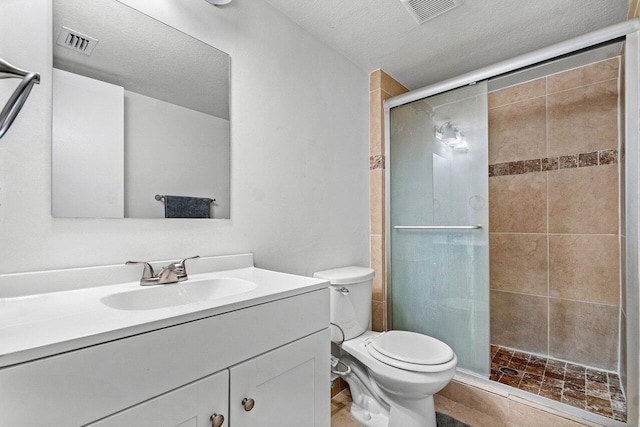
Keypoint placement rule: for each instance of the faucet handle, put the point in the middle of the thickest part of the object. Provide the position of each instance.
(181, 269)
(148, 272)
(180, 266)
(182, 261)
(148, 275)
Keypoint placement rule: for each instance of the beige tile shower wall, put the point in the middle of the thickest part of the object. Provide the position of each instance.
(633, 9)
(382, 86)
(554, 228)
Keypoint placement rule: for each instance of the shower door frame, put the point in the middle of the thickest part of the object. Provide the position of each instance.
(629, 32)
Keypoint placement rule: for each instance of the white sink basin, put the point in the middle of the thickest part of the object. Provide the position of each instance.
(177, 294)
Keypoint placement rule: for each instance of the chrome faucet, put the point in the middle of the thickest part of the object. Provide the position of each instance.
(172, 273)
(180, 269)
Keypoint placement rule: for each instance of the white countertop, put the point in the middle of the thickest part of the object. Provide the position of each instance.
(40, 325)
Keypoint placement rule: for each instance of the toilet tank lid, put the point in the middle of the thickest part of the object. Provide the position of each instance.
(346, 275)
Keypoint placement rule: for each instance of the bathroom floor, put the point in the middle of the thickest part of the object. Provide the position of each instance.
(590, 389)
(340, 407)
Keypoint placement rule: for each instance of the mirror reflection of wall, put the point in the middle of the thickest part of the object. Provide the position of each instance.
(139, 109)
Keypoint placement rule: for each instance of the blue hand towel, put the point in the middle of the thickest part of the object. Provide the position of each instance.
(187, 207)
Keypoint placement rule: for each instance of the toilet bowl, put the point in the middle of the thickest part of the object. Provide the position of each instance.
(392, 375)
(406, 388)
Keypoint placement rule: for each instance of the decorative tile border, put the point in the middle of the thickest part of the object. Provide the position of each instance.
(376, 162)
(581, 160)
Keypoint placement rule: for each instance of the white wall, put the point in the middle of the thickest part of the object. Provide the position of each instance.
(173, 150)
(299, 170)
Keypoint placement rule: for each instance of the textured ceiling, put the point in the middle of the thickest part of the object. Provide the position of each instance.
(381, 33)
(143, 55)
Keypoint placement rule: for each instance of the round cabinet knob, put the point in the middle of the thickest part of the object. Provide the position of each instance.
(217, 420)
(248, 404)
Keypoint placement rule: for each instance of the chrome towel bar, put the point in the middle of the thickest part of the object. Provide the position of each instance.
(437, 227)
(19, 96)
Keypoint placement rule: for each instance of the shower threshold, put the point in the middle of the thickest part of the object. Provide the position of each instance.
(589, 389)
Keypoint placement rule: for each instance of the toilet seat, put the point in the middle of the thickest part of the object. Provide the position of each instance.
(361, 349)
(412, 347)
(410, 351)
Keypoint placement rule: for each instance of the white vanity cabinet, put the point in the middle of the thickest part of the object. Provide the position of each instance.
(279, 388)
(274, 352)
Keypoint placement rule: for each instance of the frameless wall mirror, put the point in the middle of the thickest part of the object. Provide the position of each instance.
(140, 117)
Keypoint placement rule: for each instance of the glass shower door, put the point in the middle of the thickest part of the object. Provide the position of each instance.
(439, 221)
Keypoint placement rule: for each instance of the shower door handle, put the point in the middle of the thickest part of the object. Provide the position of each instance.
(437, 227)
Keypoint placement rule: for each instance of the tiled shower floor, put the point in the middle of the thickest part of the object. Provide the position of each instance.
(585, 388)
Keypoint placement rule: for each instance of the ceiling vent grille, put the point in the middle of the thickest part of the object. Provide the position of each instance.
(76, 41)
(424, 10)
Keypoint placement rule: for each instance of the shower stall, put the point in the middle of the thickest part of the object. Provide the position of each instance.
(512, 221)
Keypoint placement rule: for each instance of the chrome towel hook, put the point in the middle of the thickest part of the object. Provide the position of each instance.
(19, 96)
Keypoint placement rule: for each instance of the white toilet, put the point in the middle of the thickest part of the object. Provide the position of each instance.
(392, 375)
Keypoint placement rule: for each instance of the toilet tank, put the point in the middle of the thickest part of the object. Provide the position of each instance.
(350, 300)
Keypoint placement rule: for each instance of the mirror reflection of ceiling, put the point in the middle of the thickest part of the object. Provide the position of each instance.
(143, 55)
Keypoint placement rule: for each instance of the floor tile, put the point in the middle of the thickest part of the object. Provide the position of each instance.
(585, 388)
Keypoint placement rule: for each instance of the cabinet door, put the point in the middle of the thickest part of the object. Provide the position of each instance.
(188, 406)
(289, 386)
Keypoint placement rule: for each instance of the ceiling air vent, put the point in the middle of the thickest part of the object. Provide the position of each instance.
(76, 41)
(424, 10)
